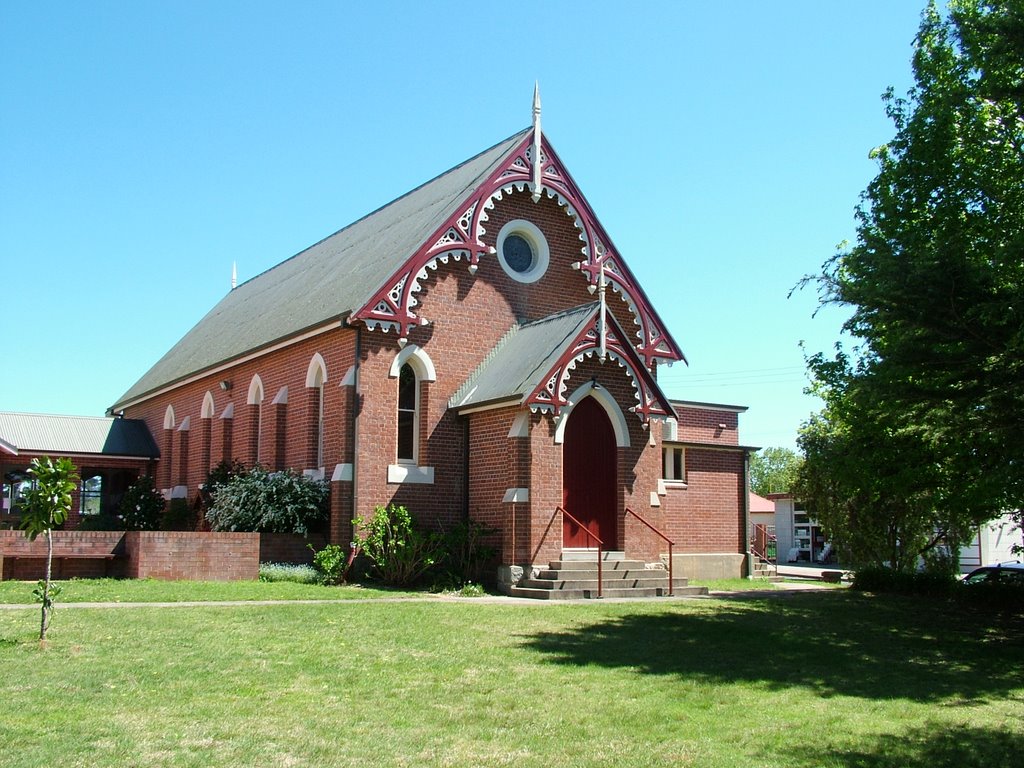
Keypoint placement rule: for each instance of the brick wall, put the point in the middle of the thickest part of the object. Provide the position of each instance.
(289, 429)
(708, 425)
(707, 515)
(192, 556)
(494, 467)
(289, 547)
(25, 560)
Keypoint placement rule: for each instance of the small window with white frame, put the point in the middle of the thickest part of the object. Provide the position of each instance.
(673, 465)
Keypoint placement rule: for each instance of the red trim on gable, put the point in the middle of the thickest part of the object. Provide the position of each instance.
(551, 395)
(459, 237)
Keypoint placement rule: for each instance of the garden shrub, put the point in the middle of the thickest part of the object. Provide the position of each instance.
(464, 555)
(932, 583)
(329, 564)
(178, 517)
(220, 475)
(141, 506)
(400, 554)
(269, 502)
(101, 522)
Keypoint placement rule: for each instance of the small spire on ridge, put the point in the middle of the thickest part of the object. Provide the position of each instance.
(536, 142)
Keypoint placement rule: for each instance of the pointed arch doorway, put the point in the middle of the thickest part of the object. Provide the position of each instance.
(589, 476)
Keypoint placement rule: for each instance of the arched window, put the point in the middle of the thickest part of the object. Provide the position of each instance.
(254, 401)
(318, 397)
(316, 375)
(408, 411)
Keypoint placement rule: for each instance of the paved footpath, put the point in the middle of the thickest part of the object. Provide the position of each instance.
(779, 589)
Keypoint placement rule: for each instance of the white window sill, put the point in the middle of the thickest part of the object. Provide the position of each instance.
(410, 473)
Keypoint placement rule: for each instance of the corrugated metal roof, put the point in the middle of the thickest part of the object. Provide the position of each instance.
(323, 283)
(63, 435)
(523, 358)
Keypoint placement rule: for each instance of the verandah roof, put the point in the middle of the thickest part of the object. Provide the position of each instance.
(74, 435)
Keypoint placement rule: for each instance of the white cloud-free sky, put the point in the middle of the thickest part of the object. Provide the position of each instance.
(144, 147)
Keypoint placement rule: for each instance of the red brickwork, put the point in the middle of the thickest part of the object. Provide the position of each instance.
(236, 437)
(468, 316)
(289, 547)
(192, 556)
(495, 466)
(708, 425)
(143, 554)
(707, 515)
(25, 560)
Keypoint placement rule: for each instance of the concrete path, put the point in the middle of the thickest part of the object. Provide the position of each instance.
(485, 600)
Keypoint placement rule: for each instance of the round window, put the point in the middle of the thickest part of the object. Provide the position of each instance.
(523, 251)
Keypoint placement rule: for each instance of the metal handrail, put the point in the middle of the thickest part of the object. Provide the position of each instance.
(600, 547)
(666, 538)
(760, 539)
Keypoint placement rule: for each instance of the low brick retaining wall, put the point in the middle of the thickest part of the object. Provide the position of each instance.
(193, 556)
(196, 556)
(77, 554)
(290, 547)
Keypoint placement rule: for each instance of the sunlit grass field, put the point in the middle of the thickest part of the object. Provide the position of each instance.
(829, 678)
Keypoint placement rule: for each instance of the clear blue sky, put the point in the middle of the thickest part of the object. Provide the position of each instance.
(144, 147)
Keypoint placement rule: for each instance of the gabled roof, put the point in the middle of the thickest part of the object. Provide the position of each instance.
(759, 505)
(533, 363)
(523, 360)
(72, 435)
(323, 283)
(371, 271)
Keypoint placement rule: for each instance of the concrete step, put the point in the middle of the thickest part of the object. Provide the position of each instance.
(591, 594)
(606, 565)
(608, 574)
(632, 583)
(591, 555)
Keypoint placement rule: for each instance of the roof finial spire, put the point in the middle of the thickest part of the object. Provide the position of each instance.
(234, 275)
(536, 142)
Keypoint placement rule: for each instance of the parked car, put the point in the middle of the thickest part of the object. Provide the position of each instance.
(1002, 573)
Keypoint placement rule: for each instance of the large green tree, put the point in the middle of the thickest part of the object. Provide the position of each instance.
(935, 280)
(773, 470)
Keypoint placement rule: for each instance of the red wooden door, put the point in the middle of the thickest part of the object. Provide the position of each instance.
(589, 479)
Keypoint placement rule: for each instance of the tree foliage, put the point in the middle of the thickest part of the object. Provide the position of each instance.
(45, 505)
(773, 470)
(270, 502)
(924, 420)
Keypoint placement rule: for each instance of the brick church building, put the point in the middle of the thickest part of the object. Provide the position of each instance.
(476, 349)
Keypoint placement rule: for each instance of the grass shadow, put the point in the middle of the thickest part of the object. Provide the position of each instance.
(964, 747)
(833, 643)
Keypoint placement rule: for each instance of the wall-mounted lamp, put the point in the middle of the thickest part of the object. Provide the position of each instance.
(225, 385)
(594, 384)
(723, 426)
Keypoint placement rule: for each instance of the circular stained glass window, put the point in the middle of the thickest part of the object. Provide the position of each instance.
(518, 253)
(523, 251)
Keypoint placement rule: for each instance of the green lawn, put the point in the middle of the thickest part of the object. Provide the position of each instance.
(156, 591)
(808, 679)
